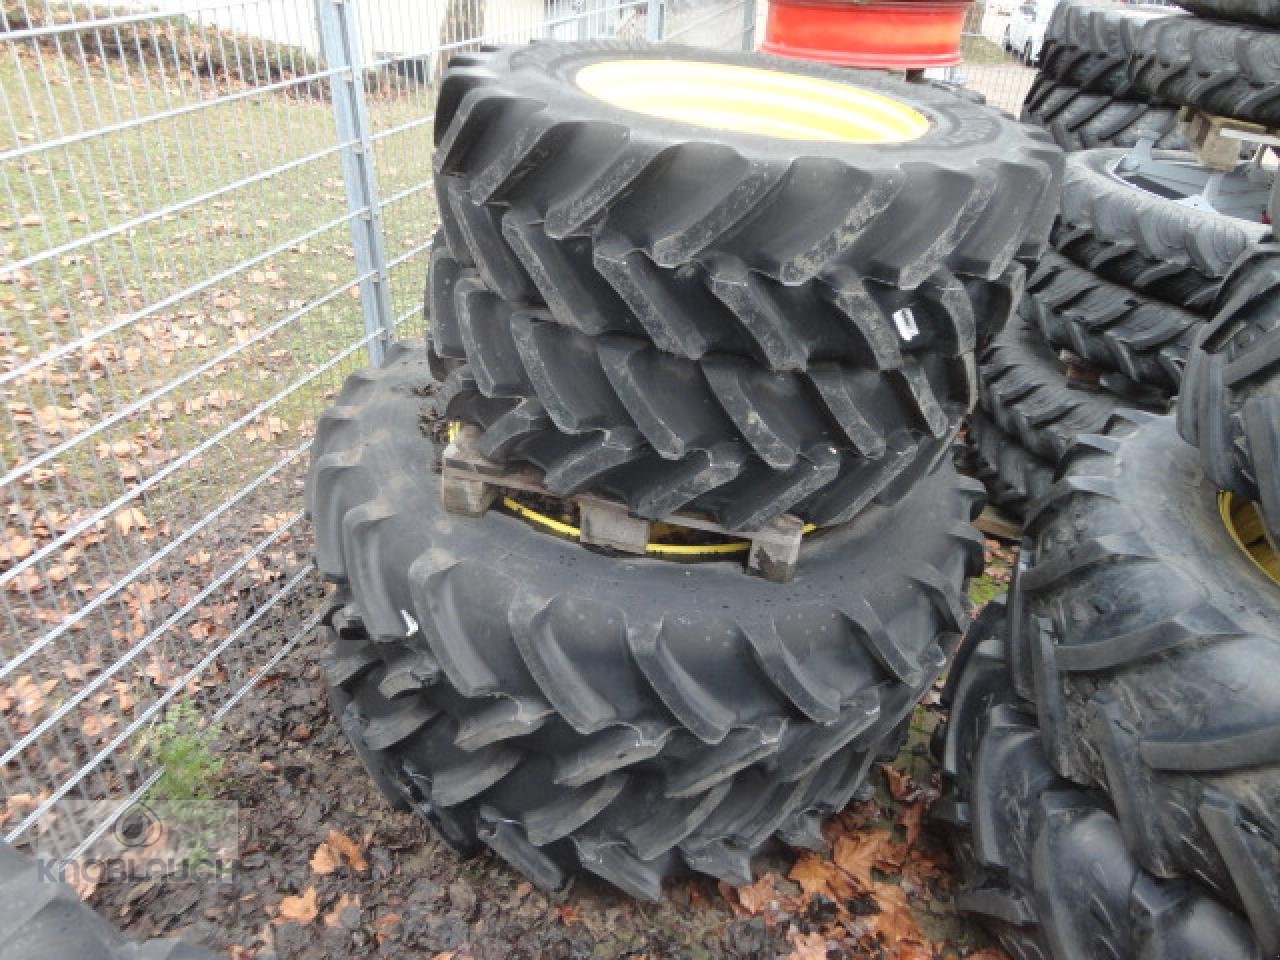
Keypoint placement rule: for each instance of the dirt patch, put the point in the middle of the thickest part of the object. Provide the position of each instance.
(296, 780)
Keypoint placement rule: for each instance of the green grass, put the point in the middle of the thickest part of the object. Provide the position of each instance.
(62, 195)
(186, 797)
(980, 50)
(984, 589)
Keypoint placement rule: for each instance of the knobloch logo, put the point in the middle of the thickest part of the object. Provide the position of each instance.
(153, 841)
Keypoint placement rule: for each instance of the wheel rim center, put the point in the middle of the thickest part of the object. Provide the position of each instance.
(752, 100)
(1243, 521)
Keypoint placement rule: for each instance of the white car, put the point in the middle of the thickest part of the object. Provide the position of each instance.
(1024, 37)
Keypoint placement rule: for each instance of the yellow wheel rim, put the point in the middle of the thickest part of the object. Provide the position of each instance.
(770, 103)
(686, 551)
(1244, 523)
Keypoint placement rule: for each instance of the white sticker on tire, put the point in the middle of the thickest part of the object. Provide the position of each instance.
(410, 624)
(905, 321)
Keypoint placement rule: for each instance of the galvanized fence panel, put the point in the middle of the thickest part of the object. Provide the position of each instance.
(215, 211)
(988, 67)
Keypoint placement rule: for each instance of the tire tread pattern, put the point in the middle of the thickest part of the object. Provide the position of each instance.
(615, 710)
(1045, 865)
(1166, 703)
(1226, 69)
(1230, 404)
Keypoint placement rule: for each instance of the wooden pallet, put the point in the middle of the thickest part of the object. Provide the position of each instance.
(470, 484)
(1215, 141)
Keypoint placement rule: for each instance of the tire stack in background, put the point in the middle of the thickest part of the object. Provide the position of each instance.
(1117, 75)
(1112, 756)
(751, 324)
(1142, 241)
(1084, 95)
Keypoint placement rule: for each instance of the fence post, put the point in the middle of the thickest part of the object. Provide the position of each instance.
(653, 21)
(749, 25)
(340, 45)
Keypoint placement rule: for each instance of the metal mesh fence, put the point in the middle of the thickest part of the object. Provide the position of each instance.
(215, 211)
(988, 67)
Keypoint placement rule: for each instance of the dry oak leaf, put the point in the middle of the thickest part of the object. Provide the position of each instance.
(30, 694)
(818, 876)
(857, 853)
(337, 849)
(15, 547)
(299, 909)
(899, 782)
(895, 922)
(130, 518)
(755, 898)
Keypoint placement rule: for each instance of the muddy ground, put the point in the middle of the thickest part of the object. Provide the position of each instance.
(295, 780)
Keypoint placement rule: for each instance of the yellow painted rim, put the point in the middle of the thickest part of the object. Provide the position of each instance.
(686, 550)
(770, 103)
(658, 549)
(1244, 522)
(568, 530)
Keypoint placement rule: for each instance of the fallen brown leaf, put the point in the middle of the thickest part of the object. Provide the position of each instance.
(335, 850)
(857, 853)
(130, 518)
(15, 547)
(818, 876)
(756, 897)
(900, 785)
(299, 909)
(895, 922)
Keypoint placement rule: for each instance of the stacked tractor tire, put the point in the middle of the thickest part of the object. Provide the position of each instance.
(713, 293)
(40, 917)
(1145, 234)
(1118, 75)
(1112, 757)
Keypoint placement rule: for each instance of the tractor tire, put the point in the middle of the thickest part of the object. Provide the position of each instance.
(1089, 47)
(1025, 390)
(1109, 326)
(1225, 69)
(631, 717)
(1045, 865)
(1230, 404)
(691, 312)
(1014, 476)
(613, 415)
(1142, 240)
(40, 919)
(604, 204)
(1263, 12)
(1078, 120)
(1151, 648)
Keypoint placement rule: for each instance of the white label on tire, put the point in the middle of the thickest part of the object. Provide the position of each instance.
(410, 624)
(905, 321)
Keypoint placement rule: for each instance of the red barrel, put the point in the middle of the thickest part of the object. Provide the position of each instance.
(882, 34)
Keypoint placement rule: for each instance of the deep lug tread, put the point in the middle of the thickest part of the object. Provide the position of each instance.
(1052, 870)
(528, 748)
